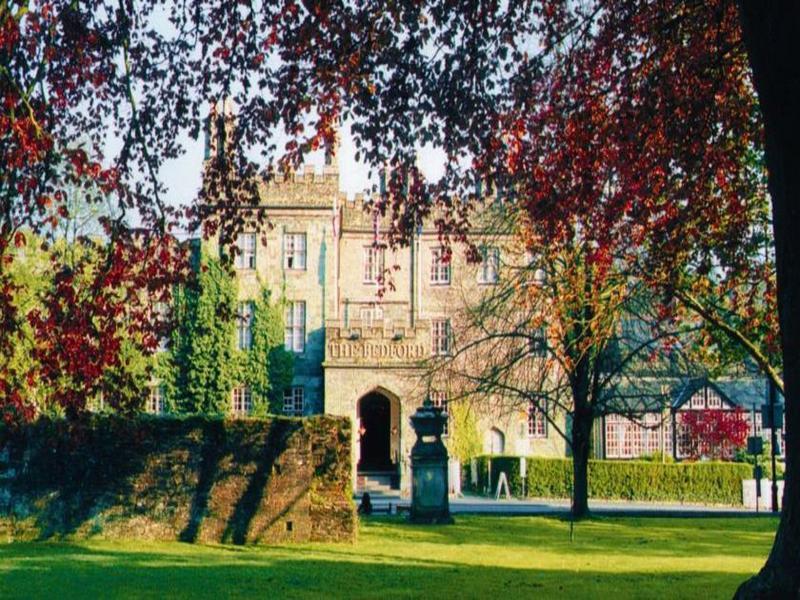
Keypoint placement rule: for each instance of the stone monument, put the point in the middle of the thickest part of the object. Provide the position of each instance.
(429, 500)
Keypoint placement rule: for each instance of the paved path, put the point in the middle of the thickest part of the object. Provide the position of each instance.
(549, 506)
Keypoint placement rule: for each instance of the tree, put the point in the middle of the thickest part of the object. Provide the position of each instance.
(463, 440)
(202, 345)
(268, 366)
(714, 433)
(565, 336)
(635, 115)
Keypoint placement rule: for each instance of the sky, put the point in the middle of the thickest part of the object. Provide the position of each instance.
(182, 176)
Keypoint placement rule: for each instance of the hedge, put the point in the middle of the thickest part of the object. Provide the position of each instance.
(706, 482)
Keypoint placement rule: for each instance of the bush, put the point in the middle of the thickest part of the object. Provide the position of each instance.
(707, 482)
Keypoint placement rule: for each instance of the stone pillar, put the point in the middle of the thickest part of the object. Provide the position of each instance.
(429, 489)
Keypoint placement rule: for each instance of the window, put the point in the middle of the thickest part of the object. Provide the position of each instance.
(293, 401)
(246, 256)
(370, 315)
(374, 261)
(439, 400)
(534, 274)
(538, 343)
(244, 325)
(161, 317)
(241, 401)
(613, 435)
(440, 267)
(155, 401)
(440, 337)
(714, 401)
(490, 265)
(294, 251)
(294, 337)
(537, 418)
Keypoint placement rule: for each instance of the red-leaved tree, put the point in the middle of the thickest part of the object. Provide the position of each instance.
(626, 120)
(712, 433)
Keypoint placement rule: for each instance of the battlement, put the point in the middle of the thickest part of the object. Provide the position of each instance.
(309, 187)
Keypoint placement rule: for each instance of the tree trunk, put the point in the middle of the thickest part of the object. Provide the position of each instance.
(772, 35)
(581, 444)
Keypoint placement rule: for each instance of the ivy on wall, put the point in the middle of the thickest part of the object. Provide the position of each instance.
(267, 367)
(464, 440)
(203, 364)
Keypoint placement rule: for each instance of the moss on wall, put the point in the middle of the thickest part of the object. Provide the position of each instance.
(195, 479)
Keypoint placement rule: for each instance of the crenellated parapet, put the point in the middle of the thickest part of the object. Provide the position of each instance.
(308, 187)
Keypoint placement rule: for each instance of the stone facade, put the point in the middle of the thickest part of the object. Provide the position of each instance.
(358, 343)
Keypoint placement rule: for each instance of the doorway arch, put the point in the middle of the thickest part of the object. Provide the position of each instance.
(378, 432)
(495, 441)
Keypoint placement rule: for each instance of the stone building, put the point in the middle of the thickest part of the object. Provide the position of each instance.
(359, 353)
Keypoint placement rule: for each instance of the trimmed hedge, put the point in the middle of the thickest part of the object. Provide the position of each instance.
(706, 482)
(507, 464)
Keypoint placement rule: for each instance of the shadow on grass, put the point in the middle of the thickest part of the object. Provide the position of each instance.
(67, 571)
(612, 536)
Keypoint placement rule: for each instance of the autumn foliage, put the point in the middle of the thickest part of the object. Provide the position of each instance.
(712, 433)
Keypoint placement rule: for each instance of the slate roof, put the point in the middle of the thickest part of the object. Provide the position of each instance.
(637, 395)
(746, 393)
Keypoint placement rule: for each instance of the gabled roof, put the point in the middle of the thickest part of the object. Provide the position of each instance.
(637, 395)
(745, 393)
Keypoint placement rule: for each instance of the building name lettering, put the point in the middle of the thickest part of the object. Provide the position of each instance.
(377, 350)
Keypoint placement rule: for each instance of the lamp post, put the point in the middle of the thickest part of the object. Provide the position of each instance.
(773, 442)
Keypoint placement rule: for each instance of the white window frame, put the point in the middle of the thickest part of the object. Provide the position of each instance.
(441, 337)
(370, 315)
(294, 334)
(246, 257)
(538, 343)
(295, 251)
(374, 265)
(439, 399)
(537, 419)
(441, 272)
(155, 400)
(241, 401)
(244, 325)
(294, 401)
(713, 400)
(489, 270)
(698, 400)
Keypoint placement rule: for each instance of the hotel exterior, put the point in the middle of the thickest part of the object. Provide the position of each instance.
(359, 353)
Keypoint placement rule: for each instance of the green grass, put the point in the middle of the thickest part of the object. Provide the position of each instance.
(479, 557)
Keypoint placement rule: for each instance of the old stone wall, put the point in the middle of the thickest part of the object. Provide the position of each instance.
(196, 479)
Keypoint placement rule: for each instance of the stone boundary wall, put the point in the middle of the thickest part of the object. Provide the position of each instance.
(194, 479)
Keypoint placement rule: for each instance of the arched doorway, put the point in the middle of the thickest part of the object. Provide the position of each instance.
(378, 433)
(495, 441)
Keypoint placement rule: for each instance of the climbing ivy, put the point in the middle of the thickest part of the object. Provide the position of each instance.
(267, 367)
(203, 363)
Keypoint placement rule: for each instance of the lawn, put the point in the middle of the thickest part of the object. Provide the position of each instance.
(479, 557)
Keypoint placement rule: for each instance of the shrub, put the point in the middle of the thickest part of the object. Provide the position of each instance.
(705, 482)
